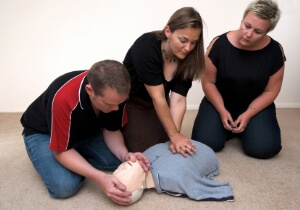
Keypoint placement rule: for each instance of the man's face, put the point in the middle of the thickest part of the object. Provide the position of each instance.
(131, 174)
(108, 102)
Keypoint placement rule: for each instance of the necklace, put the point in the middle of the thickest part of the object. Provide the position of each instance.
(168, 58)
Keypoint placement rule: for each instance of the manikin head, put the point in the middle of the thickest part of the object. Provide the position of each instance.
(132, 175)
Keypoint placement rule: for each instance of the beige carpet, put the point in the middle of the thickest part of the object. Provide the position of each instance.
(257, 184)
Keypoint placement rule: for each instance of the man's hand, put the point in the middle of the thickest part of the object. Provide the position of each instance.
(140, 157)
(114, 189)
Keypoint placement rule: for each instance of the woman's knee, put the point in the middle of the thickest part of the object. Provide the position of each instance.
(213, 136)
(261, 148)
(262, 154)
(216, 144)
(262, 137)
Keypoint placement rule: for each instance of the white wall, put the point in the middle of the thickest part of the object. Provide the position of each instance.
(42, 39)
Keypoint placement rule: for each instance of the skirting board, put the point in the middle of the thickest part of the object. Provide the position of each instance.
(189, 107)
(278, 105)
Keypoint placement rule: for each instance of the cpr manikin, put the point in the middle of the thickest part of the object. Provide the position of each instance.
(133, 176)
(191, 176)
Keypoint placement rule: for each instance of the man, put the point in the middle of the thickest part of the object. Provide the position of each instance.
(72, 131)
(191, 176)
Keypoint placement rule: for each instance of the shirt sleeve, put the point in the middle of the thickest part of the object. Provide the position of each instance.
(213, 54)
(62, 106)
(147, 60)
(279, 57)
(181, 86)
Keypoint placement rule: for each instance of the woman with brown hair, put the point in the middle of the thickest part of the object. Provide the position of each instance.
(162, 65)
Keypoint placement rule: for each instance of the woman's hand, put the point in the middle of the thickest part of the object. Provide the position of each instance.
(226, 120)
(182, 145)
(240, 124)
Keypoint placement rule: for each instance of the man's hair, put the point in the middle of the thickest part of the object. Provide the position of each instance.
(192, 67)
(109, 74)
(265, 9)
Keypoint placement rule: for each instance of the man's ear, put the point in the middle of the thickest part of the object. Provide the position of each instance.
(89, 89)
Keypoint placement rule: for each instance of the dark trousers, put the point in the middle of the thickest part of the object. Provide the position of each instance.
(261, 138)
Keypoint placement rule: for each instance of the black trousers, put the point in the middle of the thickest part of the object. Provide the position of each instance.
(261, 138)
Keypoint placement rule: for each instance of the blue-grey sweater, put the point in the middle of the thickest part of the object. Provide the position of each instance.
(191, 176)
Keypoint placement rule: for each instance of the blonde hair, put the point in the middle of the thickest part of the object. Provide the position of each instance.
(265, 9)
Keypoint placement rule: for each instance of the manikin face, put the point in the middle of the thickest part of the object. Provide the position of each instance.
(252, 30)
(182, 41)
(132, 175)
